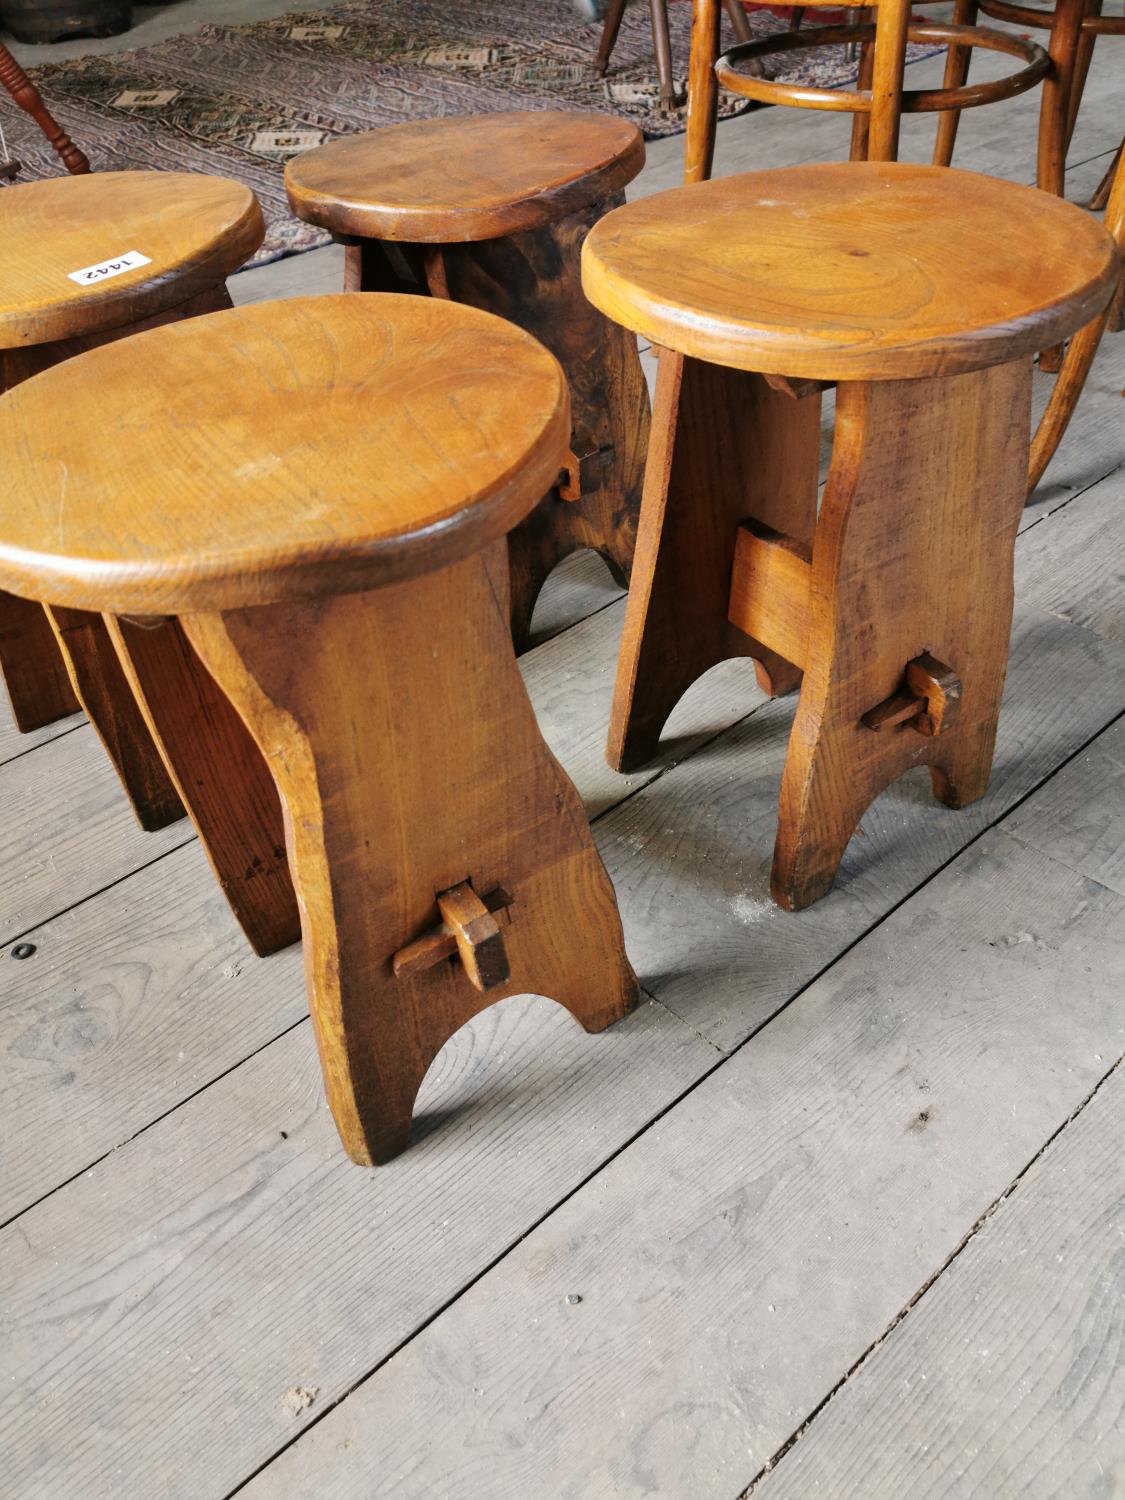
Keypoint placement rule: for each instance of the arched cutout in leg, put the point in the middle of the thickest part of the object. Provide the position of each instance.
(913, 556)
(425, 772)
(726, 446)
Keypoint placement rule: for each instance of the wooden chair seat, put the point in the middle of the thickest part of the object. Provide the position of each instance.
(194, 232)
(463, 178)
(347, 466)
(864, 270)
(320, 445)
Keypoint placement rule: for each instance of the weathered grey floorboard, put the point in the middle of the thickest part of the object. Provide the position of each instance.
(690, 852)
(1073, 562)
(158, 1308)
(749, 1247)
(1007, 1380)
(13, 743)
(1083, 811)
(66, 830)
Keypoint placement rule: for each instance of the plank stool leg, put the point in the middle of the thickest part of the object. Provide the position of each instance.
(892, 606)
(493, 212)
(441, 858)
(172, 738)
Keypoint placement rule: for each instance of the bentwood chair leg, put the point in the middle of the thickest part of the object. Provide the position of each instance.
(1080, 352)
(662, 41)
(609, 36)
(892, 20)
(703, 91)
(956, 76)
(740, 25)
(1083, 55)
(861, 123)
(1054, 110)
(1101, 193)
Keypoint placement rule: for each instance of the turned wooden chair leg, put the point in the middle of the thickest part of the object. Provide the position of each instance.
(220, 776)
(861, 122)
(724, 446)
(386, 841)
(1100, 197)
(39, 687)
(912, 560)
(957, 61)
(27, 96)
(610, 29)
(892, 20)
(703, 92)
(101, 688)
(534, 280)
(662, 42)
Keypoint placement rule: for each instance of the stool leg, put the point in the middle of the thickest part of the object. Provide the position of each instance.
(219, 774)
(101, 688)
(34, 672)
(1066, 33)
(703, 91)
(419, 775)
(725, 447)
(533, 279)
(913, 554)
(957, 61)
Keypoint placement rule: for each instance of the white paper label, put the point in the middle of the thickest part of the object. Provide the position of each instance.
(91, 275)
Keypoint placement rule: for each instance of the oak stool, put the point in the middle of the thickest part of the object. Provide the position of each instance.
(923, 293)
(86, 260)
(492, 210)
(319, 490)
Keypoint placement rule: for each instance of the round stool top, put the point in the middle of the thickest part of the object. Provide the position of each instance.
(192, 230)
(851, 270)
(464, 177)
(320, 445)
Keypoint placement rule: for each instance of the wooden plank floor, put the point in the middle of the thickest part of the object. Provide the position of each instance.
(843, 1204)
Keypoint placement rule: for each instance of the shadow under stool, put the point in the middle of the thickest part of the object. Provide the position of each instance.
(922, 294)
(319, 490)
(492, 210)
(86, 261)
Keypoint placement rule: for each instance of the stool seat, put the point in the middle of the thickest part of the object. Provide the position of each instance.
(313, 446)
(464, 178)
(857, 270)
(193, 231)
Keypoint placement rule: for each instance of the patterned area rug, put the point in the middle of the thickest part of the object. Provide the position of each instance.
(240, 100)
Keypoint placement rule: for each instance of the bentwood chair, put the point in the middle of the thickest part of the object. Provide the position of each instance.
(1075, 26)
(880, 99)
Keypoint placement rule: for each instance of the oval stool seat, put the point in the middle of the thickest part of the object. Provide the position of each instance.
(193, 231)
(860, 270)
(318, 445)
(464, 178)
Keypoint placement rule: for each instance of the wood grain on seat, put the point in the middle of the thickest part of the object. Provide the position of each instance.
(193, 230)
(319, 445)
(858, 270)
(464, 177)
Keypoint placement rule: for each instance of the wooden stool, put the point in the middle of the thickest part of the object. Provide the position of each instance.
(84, 261)
(924, 293)
(492, 210)
(320, 489)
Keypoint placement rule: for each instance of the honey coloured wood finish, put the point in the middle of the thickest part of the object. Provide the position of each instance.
(378, 436)
(464, 177)
(493, 212)
(324, 506)
(892, 605)
(851, 270)
(193, 230)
